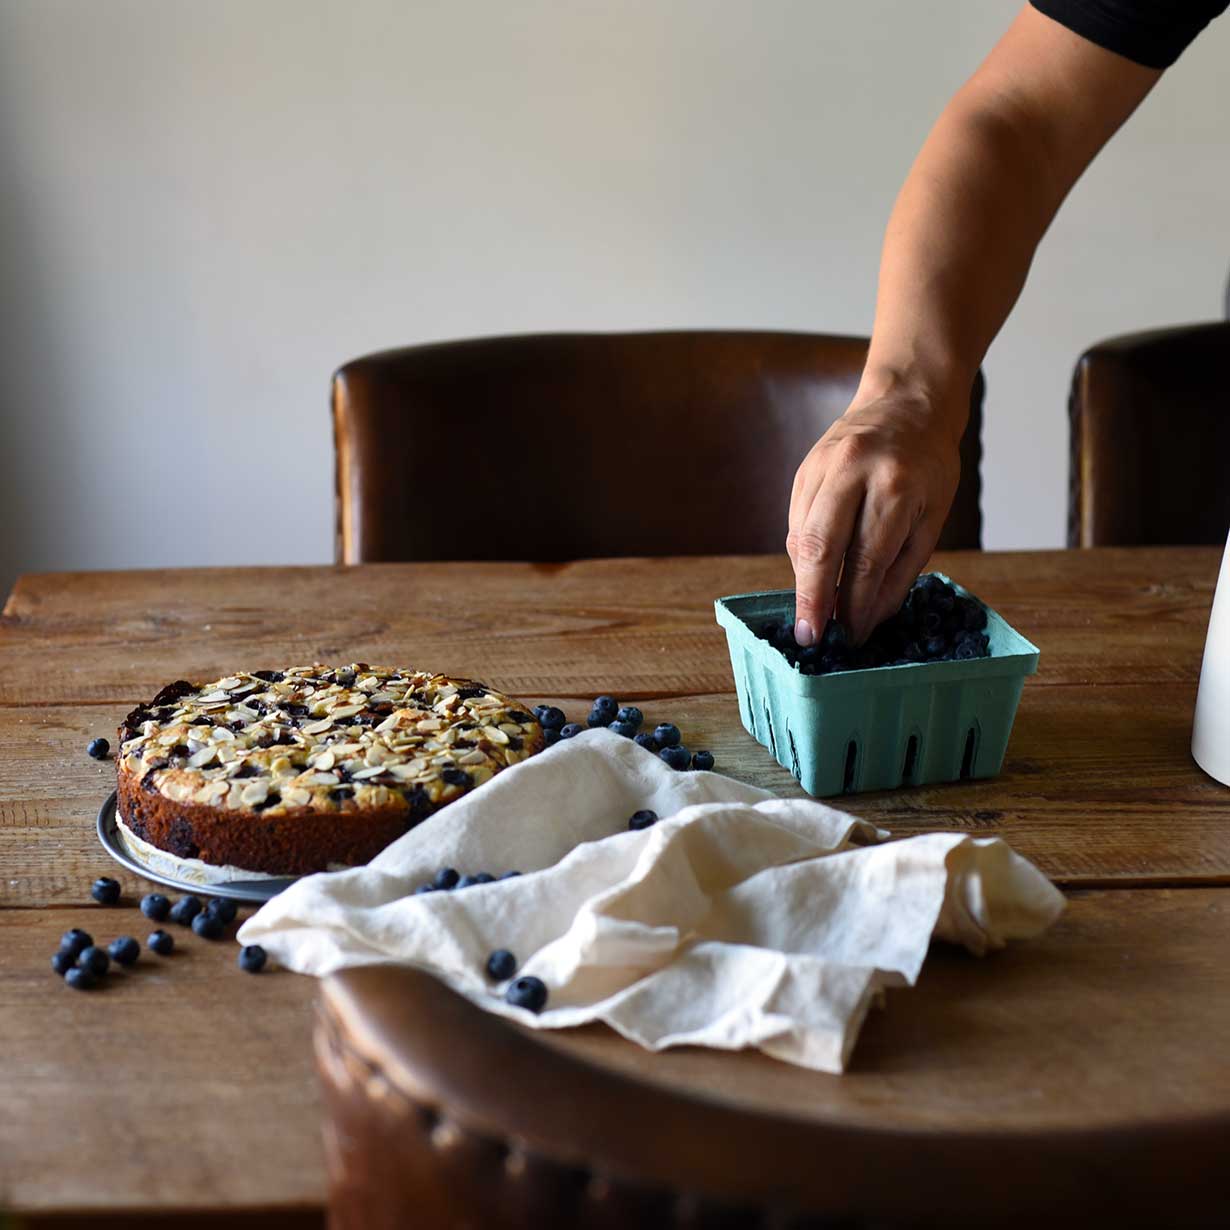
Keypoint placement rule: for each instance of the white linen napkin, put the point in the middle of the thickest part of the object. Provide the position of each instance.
(737, 920)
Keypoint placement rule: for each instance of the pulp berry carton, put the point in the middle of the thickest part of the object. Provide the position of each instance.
(880, 727)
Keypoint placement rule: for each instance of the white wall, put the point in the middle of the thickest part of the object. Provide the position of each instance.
(206, 205)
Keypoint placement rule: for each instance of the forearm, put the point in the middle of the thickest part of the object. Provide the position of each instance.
(956, 253)
(979, 198)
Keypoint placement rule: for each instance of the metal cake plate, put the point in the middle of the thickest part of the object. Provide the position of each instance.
(241, 890)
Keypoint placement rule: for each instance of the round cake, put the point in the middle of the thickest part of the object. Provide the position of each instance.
(286, 772)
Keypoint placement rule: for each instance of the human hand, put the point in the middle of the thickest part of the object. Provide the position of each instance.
(867, 508)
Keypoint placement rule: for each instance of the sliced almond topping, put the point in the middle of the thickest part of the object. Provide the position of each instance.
(495, 734)
(255, 792)
(372, 771)
(319, 779)
(342, 711)
(472, 757)
(376, 754)
(325, 761)
(231, 681)
(281, 766)
(295, 796)
(429, 724)
(318, 728)
(213, 697)
(203, 757)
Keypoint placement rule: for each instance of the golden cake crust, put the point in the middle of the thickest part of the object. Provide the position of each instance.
(298, 770)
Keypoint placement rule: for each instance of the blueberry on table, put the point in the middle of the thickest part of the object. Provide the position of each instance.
(632, 715)
(155, 906)
(125, 950)
(468, 881)
(501, 965)
(510, 875)
(75, 941)
(222, 908)
(551, 718)
(702, 760)
(484, 877)
(626, 729)
(80, 979)
(571, 730)
(105, 890)
(208, 926)
(425, 888)
(446, 878)
(539, 710)
(527, 992)
(677, 756)
(667, 735)
(549, 737)
(606, 704)
(252, 959)
(600, 717)
(647, 741)
(94, 959)
(62, 962)
(642, 819)
(185, 910)
(98, 749)
(160, 942)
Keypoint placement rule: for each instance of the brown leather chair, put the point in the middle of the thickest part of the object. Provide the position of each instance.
(439, 1114)
(1150, 439)
(571, 445)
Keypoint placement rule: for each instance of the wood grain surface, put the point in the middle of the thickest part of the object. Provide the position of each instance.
(186, 1085)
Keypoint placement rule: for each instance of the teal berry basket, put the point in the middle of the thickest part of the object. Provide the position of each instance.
(878, 728)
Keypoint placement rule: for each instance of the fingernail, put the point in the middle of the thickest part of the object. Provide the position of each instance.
(803, 633)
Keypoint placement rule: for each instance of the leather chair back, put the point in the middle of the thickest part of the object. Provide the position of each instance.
(1150, 439)
(572, 445)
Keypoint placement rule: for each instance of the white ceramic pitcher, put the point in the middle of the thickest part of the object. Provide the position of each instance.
(1211, 729)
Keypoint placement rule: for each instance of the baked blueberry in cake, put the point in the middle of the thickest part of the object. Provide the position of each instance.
(287, 772)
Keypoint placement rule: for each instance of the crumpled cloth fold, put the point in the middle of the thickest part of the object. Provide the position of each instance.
(738, 920)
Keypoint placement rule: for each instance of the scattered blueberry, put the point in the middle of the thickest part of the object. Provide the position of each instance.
(606, 704)
(627, 729)
(484, 877)
(94, 959)
(75, 941)
(446, 877)
(642, 819)
(647, 741)
(185, 910)
(468, 881)
(527, 992)
(600, 717)
(222, 908)
(62, 962)
(571, 730)
(160, 942)
(501, 965)
(98, 749)
(550, 737)
(539, 710)
(207, 926)
(667, 735)
(252, 959)
(677, 756)
(630, 714)
(425, 888)
(702, 760)
(105, 890)
(125, 950)
(510, 875)
(155, 906)
(551, 718)
(80, 979)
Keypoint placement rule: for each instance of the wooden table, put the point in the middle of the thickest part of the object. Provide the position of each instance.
(187, 1086)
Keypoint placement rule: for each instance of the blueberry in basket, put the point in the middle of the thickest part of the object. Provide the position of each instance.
(934, 624)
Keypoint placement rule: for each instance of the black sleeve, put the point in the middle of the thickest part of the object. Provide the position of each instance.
(1151, 32)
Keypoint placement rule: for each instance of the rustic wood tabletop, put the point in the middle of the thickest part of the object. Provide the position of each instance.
(186, 1087)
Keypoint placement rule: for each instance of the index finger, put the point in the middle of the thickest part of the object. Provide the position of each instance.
(817, 547)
